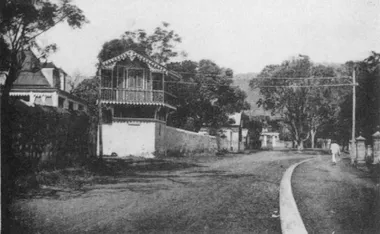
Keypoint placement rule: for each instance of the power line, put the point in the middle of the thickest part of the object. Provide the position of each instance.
(259, 86)
(270, 78)
(271, 86)
(298, 78)
(291, 86)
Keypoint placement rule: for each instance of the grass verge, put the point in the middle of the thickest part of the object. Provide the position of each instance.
(334, 199)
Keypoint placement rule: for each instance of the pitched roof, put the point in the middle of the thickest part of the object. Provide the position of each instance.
(132, 54)
(30, 62)
(48, 65)
(31, 78)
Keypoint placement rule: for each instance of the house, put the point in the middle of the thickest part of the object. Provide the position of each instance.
(136, 100)
(233, 136)
(43, 84)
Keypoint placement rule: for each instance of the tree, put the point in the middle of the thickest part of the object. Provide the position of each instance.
(21, 23)
(160, 45)
(73, 81)
(207, 97)
(304, 105)
(367, 99)
(88, 90)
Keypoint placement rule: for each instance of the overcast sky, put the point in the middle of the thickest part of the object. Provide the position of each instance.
(244, 35)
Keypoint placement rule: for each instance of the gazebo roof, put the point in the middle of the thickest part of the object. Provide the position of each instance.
(132, 55)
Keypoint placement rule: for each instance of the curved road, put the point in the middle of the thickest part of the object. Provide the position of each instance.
(236, 194)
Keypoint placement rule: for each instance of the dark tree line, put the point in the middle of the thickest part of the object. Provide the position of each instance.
(312, 107)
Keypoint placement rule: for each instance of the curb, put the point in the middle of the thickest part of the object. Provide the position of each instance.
(291, 221)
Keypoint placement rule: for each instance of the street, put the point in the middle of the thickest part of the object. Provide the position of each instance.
(234, 194)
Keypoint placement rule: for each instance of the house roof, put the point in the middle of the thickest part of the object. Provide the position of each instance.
(30, 62)
(48, 65)
(131, 54)
(31, 78)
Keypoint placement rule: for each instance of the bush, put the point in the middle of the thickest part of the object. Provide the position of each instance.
(48, 138)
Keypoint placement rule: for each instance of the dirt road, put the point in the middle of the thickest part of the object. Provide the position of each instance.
(236, 194)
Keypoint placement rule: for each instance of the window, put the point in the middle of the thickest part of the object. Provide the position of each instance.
(61, 102)
(80, 107)
(135, 78)
(71, 105)
(107, 116)
(157, 81)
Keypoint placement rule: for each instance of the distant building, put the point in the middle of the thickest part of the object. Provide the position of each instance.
(43, 84)
(233, 136)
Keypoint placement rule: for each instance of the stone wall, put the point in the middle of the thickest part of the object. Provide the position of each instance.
(186, 141)
(153, 138)
(284, 144)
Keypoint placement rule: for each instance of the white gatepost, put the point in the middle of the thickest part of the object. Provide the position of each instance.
(264, 141)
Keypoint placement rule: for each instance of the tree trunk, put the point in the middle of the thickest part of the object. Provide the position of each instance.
(312, 134)
(300, 145)
(9, 163)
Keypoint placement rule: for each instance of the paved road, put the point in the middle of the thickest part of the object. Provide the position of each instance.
(238, 194)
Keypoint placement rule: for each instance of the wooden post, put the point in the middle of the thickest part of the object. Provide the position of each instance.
(100, 113)
(353, 143)
(163, 86)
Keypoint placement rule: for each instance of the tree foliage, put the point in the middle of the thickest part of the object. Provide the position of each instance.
(159, 45)
(304, 103)
(367, 100)
(21, 22)
(207, 97)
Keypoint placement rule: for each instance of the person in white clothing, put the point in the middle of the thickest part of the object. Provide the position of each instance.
(335, 150)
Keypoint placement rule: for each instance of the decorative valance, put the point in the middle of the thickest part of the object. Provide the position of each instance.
(132, 55)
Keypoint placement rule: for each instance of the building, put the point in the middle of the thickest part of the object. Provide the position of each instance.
(270, 140)
(234, 137)
(43, 84)
(136, 99)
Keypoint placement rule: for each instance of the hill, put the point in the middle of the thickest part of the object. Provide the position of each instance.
(242, 81)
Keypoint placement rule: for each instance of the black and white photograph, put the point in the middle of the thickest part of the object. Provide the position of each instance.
(190, 116)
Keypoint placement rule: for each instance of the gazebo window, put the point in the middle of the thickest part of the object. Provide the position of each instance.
(135, 78)
(158, 79)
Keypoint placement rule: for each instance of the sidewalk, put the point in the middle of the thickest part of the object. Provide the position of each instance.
(335, 199)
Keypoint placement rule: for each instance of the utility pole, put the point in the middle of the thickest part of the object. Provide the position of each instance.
(100, 132)
(353, 145)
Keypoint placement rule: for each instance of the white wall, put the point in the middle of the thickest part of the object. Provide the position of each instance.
(132, 138)
(145, 139)
(231, 140)
(186, 141)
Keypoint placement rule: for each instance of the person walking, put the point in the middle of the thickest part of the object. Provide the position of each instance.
(335, 150)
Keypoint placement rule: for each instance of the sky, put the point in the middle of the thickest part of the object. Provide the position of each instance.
(244, 35)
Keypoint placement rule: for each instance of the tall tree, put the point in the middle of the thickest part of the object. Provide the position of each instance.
(159, 45)
(21, 23)
(367, 99)
(304, 104)
(207, 95)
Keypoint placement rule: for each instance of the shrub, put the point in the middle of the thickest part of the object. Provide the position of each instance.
(48, 137)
